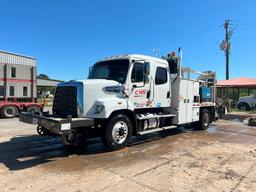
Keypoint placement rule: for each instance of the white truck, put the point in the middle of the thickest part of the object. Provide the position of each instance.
(128, 95)
(247, 103)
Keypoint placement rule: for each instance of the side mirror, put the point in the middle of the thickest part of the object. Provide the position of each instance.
(146, 71)
(90, 71)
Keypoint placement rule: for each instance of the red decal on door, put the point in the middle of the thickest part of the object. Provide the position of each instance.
(140, 93)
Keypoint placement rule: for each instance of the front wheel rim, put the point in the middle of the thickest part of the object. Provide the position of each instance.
(9, 112)
(120, 132)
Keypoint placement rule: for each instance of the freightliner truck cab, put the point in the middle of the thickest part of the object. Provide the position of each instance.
(127, 95)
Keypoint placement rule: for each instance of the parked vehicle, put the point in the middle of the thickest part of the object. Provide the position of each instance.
(247, 103)
(127, 95)
(12, 107)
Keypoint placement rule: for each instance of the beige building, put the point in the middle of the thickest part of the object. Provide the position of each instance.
(17, 76)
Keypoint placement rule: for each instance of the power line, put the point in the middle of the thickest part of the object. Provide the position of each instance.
(197, 37)
(247, 37)
(245, 22)
(212, 51)
(243, 25)
(193, 42)
(197, 41)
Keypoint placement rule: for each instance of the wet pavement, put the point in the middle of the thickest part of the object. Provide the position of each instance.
(223, 158)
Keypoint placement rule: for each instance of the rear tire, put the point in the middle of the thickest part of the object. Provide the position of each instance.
(33, 109)
(118, 132)
(9, 112)
(244, 107)
(204, 120)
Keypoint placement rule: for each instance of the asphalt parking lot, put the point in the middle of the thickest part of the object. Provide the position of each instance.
(220, 159)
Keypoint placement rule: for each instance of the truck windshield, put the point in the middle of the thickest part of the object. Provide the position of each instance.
(112, 70)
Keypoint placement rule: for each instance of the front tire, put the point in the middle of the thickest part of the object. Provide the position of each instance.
(118, 132)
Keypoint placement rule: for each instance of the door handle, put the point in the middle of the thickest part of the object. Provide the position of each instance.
(168, 94)
(148, 94)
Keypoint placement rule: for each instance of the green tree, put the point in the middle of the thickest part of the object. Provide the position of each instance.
(42, 76)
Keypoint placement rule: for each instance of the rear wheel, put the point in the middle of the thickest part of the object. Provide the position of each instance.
(244, 107)
(204, 120)
(118, 132)
(33, 109)
(9, 112)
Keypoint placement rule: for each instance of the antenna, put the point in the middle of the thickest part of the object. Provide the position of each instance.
(180, 61)
(155, 51)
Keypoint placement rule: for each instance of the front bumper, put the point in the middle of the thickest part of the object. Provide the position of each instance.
(55, 125)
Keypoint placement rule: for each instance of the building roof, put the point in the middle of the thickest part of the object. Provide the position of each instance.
(47, 82)
(20, 55)
(16, 59)
(237, 82)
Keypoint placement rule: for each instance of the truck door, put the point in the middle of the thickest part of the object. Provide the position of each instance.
(183, 92)
(190, 98)
(186, 97)
(161, 87)
(139, 94)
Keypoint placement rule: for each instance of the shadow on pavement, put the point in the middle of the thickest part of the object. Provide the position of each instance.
(236, 117)
(23, 152)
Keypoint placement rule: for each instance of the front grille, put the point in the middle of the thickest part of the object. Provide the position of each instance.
(65, 102)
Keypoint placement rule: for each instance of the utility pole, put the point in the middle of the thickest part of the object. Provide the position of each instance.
(228, 35)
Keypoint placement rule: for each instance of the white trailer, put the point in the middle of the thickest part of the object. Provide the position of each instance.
(128, 95)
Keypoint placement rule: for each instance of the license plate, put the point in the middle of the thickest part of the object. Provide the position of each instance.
(65, 126)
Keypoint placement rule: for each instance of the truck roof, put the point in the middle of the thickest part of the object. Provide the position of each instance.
(136, 57)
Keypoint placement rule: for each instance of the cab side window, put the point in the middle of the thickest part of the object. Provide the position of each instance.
(137, 73)
(161, 76)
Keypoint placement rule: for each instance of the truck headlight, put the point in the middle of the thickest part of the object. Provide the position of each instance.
(98, 108)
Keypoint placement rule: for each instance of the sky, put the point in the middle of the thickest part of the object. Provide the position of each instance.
(67, 37)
